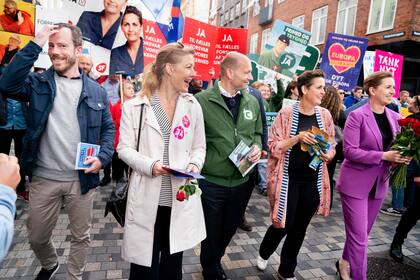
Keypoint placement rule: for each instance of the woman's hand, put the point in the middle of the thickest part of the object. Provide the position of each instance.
(158, 169)
(325, 157)
(307, 138)
(395, 156)
(192, 168)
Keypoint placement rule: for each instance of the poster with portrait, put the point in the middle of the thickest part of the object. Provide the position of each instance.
(284, 48)
(342, 60)
(10, 44)
(17, 17)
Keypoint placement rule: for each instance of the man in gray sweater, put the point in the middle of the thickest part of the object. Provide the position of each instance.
(65, 108)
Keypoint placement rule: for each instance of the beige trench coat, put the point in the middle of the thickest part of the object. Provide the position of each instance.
(187, 144)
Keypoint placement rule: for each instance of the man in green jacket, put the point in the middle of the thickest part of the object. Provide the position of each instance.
(231, 115)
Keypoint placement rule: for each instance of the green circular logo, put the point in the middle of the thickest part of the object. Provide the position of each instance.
(287, 60)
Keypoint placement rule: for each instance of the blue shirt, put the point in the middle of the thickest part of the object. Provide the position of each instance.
(7, 215)
(350, 101)
(15, 116)
(121, 62)
(112, 91)
(91, 27)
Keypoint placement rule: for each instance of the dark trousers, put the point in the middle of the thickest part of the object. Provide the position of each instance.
(164, 265)
(6, 137)
(302, 202)
(408, 219)
(119, 167)
(223, 209)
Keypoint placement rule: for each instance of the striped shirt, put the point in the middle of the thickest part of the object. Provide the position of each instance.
(165, 198)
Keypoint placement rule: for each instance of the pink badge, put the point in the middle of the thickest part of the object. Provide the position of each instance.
(186, 121)
(179, 132)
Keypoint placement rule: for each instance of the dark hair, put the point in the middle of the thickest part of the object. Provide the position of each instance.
(357, 88)
(133, 10)
(305, 79)
(76, 33)
(284, 39)
(154, 72)
(375, 79)
(331, 101)
(416, 101)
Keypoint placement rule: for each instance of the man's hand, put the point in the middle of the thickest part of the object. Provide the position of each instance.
(42, 36)
(95, 167)
(255, 155)
(9, 171)
(20, 17)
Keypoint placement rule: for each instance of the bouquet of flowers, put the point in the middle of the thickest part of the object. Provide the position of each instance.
(407, 142)
(185, 191)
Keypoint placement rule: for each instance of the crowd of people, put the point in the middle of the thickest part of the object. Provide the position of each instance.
(145, 130)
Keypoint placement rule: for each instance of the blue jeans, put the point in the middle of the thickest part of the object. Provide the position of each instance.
(397, 198)
(262, 176)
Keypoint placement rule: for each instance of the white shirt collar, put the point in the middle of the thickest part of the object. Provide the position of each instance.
(225, 93)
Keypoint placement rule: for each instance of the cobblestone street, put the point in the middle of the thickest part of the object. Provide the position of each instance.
(321, 248)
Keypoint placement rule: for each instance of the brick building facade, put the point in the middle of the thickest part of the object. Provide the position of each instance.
(390, 25)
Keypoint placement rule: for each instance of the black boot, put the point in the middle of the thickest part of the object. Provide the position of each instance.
(245, 225)
(105, 181)
(396, 252)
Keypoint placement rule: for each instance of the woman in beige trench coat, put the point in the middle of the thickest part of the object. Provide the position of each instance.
(157, 226)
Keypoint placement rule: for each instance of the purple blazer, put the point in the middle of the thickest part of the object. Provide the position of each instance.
(362, 148)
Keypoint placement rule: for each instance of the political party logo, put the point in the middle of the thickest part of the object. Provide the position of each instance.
(101, 67)
(248, 114)
(186, 121)
(342, 59)
(89, 152)
(179, 132)
(287, 61)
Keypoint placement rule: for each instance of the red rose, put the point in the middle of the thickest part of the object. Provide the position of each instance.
(404, 122)
(181, 195)
(416, 127)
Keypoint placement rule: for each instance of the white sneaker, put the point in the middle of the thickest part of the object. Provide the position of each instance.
(261, 263)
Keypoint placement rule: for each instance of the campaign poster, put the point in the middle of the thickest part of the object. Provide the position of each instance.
(368, 62)
(342, 60)
(285, 48)
(153, 40)
(203, 38)
(386, 61)
(12, 43)
(229, 39)
(17, 17)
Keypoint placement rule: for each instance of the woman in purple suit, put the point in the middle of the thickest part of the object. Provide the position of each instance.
(363, 182)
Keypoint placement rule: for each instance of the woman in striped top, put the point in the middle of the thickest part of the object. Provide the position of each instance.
(157, 226)
(295, 190)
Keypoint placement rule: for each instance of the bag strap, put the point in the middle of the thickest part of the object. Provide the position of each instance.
(138, 139)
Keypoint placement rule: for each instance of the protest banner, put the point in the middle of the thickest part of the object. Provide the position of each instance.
(211, 44)
(386, 61)
(153, 40)
(342, 60)
(202, 37)
(284, 48)
(309, 60)
(368, 62)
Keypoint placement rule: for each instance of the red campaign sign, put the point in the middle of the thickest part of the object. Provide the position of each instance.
(211, 44)
(229, 39)
(202, 37)
(153, 40)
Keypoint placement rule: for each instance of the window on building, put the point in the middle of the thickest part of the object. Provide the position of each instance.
(381, 15)
(222, 20)
(227, 17)
(256, 9)
(244, 6)
(253, 43)
(232, 14)
(238, 9)
(265, 37)
(346, 17)
(319, 25)
(299, 21)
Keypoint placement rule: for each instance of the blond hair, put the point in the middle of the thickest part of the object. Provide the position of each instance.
(154, 72)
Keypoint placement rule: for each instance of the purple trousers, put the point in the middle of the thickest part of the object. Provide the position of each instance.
(359, 216)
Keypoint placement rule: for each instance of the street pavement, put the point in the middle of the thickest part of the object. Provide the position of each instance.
(322, 247)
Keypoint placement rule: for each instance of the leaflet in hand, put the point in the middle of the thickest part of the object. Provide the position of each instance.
(84, 152)
(178, 173)
(239, 157)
